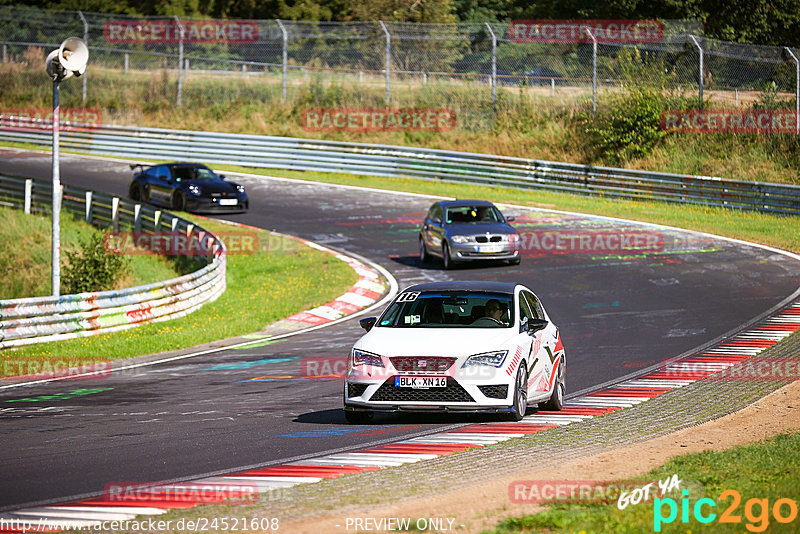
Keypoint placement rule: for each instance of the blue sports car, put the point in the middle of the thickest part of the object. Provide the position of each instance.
(187, 187)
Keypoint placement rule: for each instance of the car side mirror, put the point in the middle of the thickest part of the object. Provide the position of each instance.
(367, 323)
(534, 325)
(511, 218)
(436, 220)
(221, 176)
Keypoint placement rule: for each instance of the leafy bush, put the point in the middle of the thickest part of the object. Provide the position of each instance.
(91, 268)
(628, 127)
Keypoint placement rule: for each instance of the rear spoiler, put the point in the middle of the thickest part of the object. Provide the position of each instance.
(140, 165)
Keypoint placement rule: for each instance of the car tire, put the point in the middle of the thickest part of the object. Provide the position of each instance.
(447, 263)
(556, 401)
(178, 202)
(135, 192)
(519, 402)
(423, 252)
(358, 417)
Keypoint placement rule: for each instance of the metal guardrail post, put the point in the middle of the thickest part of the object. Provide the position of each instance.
(137, 217)
(55, 238)
(180, 59)
(115, 213)
(88, 207)
(174, 224)
(494, 63)
(28, 194)
(85, 40)
(5, 53)
(388, 59)
(594, 70)
(125, 63)
(157, 220)
(285, 59)
(792, 55)
(700, 74)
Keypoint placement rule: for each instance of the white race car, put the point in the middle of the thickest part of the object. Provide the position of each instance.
(457, 347)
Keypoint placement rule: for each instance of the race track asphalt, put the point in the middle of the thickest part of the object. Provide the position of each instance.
(618, 311)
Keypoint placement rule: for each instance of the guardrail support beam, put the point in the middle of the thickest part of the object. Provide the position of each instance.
(28, 194)
(137, 217)
(89, 215)
(115, 213)
(157, 221)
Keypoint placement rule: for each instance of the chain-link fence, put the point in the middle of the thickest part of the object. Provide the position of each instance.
(465, 67)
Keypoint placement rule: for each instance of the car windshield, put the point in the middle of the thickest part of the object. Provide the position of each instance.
(473, 214)
(449, 309)
(193, 173)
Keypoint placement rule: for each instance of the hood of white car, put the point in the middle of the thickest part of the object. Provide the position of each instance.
(454, 342)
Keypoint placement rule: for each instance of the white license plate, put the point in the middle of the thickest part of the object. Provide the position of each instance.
(228, 202)
(490, 248)
(420, 382)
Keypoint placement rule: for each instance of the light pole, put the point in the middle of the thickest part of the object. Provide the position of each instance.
(70, 58)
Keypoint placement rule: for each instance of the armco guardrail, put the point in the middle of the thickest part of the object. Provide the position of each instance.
(384, 160)
(39, 319)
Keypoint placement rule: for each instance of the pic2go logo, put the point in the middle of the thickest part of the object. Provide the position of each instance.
(756, 511)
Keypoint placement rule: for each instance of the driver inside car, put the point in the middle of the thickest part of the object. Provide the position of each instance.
(492, 314)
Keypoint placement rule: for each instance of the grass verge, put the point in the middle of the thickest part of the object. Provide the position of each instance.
(773, 230)
(760, 475)
(25, 242)
(284, 277)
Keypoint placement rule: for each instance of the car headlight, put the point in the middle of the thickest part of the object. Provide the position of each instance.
(495, 359)
(240, 188)
(195, 190)
(459, 239)
(366, 358)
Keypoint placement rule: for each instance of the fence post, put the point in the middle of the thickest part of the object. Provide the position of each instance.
(126, 63)
(157, 221)
(791, 54)
(285, 59)
(115, 213)
(388, 58)
(174, 224)
(494, 63)
(594, 69)
(180, 59)
(88, 208)
(5, 53)
(137, 217)
(28, 194)
(700, 75)
(85, 40)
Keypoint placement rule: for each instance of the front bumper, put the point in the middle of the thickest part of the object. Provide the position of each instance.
(464, 395)
(211, 205)
(483, 251)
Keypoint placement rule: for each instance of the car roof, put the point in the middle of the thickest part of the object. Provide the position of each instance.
(458, 203)
(458, 285)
